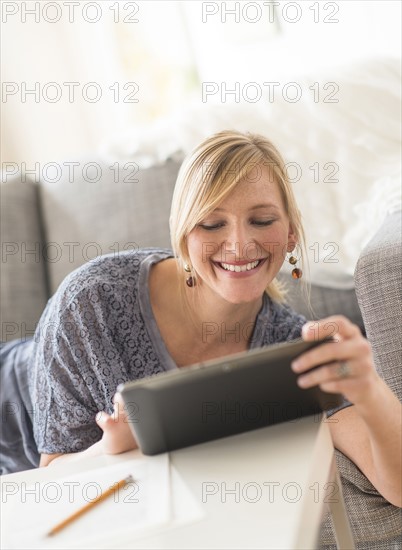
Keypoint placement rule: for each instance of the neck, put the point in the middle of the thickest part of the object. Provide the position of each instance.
(218, 322)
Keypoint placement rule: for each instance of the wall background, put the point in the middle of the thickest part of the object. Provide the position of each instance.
(168, 49)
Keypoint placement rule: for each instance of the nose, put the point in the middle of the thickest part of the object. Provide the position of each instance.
(239, 243)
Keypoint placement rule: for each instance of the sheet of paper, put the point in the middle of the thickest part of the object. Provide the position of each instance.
(186, 510)
(133, 511)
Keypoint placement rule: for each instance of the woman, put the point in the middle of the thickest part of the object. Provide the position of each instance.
(233, 220)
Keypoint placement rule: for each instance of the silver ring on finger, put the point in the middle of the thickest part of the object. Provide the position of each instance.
(344, 370)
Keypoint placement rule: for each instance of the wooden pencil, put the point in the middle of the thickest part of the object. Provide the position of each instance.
(111, 491)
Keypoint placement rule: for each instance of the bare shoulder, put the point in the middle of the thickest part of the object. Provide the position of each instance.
(350, 436)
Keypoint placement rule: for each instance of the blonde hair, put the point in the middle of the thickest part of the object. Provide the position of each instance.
(207, 176)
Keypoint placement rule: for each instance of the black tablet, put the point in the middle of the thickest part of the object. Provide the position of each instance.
(220, 398)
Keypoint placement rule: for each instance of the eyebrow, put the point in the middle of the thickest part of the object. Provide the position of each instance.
(256, 207)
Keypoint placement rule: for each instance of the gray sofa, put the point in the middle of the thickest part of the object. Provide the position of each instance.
(48, 229)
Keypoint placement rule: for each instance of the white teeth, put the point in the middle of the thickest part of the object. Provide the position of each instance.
(240, 268)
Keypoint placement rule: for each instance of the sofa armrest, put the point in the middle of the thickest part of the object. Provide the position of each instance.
(378, 283)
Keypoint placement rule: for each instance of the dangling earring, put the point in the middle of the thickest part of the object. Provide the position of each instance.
(296, 272)
(190, 280)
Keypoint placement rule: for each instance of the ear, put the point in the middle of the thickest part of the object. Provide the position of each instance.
(292, 239)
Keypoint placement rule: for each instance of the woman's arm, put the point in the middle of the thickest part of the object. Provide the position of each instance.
(117, 437)
(371, 441)
(370, 432)
(94, 450)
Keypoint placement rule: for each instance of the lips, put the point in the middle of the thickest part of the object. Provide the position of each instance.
(240, 267)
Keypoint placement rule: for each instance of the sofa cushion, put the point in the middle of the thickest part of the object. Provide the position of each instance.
(322, 302)
(84, 219)
(23, 293)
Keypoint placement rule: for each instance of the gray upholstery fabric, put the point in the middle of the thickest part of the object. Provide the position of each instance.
(85, 219)
(376, 523)
(378, 279)
(323, 301)
(23, 293)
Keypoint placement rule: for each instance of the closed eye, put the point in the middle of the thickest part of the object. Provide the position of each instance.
(263, 223)
(211, 227)
(260, 223)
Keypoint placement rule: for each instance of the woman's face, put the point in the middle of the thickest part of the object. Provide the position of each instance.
(238, 249)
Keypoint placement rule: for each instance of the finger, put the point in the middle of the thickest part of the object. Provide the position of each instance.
(103, 419)
(338, 386)
(333, 326)
(118, 405)
(117, 398)
(330, 387)
(326, 353)
(325, 374)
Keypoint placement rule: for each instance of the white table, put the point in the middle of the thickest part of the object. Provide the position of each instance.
(267, 488)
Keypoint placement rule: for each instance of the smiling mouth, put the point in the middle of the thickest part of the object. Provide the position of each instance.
(239, 268)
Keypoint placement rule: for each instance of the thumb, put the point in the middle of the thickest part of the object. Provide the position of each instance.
(308, 331)
(103, 419)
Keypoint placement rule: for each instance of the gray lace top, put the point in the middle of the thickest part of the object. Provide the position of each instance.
(98, 331)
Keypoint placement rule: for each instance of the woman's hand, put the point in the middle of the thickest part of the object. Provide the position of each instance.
(117, 435)
(369, 433)
(347, 363)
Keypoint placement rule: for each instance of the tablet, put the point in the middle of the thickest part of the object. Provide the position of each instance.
(219, 398)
